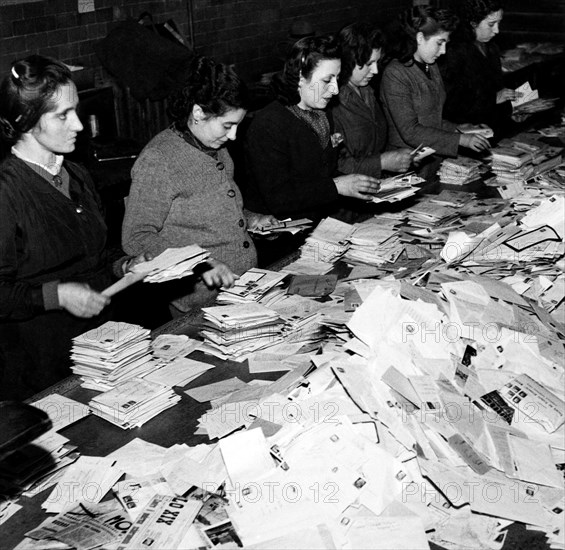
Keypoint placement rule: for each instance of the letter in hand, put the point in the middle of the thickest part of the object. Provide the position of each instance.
(256, 221)
(80, 300)
(399, 160)
(216, 274)
(132, 262)
(357, 186)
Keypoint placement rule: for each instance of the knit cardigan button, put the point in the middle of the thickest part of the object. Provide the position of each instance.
(231, 193)
(220, 165)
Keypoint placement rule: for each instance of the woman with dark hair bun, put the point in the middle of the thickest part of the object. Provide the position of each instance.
(357, 115)
(291, 148)
(472, 71)
(53, 263)
(412, 90)
(183, 190)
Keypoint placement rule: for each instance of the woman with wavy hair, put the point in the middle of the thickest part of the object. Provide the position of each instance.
(183, 191)
(412, 90)
(291, 146)
(357, 115)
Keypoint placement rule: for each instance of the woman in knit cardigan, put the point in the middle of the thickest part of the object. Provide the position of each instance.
(183, 191)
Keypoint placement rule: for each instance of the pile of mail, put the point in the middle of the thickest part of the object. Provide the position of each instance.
(460, 171)
(516, 160)
(113, 352)
(35, 466)
(133, 402)
(374, 242)
(232, 332)
(323, 248)
(283, 226)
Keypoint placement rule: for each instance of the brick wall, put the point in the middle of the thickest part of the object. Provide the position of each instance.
(250, 33)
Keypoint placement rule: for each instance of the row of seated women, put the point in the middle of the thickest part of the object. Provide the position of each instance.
(302, 160)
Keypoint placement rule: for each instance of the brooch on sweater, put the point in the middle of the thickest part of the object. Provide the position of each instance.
(336, 139)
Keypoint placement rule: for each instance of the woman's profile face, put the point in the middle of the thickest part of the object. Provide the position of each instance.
(488, 28)
(316, 91)
(215, 131)
(56, 130)
(429, 49)
(362, 74)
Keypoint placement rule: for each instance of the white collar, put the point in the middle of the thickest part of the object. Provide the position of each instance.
(53, 168)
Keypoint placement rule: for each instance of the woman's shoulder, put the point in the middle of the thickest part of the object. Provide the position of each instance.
(273, 112)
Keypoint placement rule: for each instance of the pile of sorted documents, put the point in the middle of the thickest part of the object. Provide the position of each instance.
(113, 352)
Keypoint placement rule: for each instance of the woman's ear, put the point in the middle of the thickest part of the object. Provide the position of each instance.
(198, 114)
(419, 37)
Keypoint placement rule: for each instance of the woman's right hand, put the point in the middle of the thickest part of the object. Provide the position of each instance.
(357, 186)
(396, 161)
(80, 300)
(476, 142)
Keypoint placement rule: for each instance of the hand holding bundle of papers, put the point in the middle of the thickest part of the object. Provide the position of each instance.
(173, 263)
(283, 226)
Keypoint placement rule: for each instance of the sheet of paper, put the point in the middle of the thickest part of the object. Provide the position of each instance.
(61, 410)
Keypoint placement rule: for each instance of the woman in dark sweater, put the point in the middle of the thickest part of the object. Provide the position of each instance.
(291, 150)
(53, 262)
(471, 69)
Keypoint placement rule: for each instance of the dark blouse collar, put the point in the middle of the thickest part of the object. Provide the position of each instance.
(192, 140)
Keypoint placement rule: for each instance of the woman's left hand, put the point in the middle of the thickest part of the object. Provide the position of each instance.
(258, 221)
(132, 262)
(220, 275)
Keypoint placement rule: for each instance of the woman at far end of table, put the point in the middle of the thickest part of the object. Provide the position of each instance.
(472, 71)
(412, 90)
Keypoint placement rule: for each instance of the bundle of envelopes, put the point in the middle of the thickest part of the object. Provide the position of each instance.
(173, 263)
(323, 248)
(374, 242)
(252, 286)
(237, 330)
(133, 402)
(113, 352)
(519, 159)
(460, 170)
(283, 226)
(398, 187)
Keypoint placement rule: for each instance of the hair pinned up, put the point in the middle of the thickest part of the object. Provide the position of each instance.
(215, 87)
(471, 13)
(303, 58)
(429, 21)
(27, 93)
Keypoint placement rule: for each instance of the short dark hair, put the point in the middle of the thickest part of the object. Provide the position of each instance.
(214, 86)
(303, 58)
(27, 93)
(357, 42)
(429, 21)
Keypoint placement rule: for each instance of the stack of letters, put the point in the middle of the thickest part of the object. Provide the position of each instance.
(460, 171)
(110, 354)
(133, 402)
(235, 331)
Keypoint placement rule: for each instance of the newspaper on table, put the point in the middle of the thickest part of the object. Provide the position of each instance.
(163, 523)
